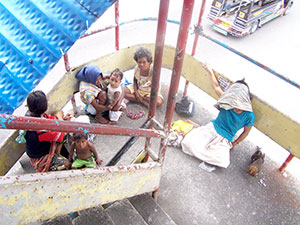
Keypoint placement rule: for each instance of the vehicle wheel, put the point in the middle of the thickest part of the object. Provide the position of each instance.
(288, 8)
(254, 27)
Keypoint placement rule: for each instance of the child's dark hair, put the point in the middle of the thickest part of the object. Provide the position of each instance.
(37, 103)
(244, 82)
(117, 72)
(143, 52)
(78, 136)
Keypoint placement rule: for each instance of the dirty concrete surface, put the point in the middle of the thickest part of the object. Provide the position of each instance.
(192, 195)
(189, 194)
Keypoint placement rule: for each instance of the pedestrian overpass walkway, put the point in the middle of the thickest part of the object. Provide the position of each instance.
(33, 197)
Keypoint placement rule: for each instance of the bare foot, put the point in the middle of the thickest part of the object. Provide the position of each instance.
(101, 119)
(113, 122)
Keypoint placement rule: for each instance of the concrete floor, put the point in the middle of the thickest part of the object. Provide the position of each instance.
(189, 194)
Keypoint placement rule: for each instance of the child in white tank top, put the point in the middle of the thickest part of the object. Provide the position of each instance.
(114, 94)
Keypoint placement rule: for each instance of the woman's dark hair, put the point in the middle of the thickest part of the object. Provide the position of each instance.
(37, 103)
(118, 73)
(244, 82)
(78, 136)
(143, 52)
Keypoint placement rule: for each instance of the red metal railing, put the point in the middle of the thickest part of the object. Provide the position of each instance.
(195, 41)
(34, 123)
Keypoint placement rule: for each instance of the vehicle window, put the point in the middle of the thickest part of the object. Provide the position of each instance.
(266, 2)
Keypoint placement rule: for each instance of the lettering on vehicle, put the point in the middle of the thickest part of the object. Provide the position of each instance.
(257, 13)
(242, 15)
(218, 4)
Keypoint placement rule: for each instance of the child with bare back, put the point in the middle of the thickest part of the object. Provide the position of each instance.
(86, 154)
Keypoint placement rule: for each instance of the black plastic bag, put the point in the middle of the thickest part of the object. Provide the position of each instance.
(185, 107)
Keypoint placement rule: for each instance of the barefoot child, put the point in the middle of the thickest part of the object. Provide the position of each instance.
(114, 95)
(86, 154)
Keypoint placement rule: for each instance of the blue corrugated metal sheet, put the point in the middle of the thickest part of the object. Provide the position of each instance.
(34, 34)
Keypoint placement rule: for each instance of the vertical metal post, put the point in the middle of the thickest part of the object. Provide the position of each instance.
(66, 61)
(195, 41)
(178, 60)
(286, 162)
(117, 24)
(186, 15)
(159, 47)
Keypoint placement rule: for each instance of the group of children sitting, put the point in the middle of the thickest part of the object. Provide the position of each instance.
(100, 93)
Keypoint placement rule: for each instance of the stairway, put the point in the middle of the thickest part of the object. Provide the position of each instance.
(138, 210)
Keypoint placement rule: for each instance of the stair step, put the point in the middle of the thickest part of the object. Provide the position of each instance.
(93, 216)
(66, 220)
(152, 213)
(137, 210)
(122, 212)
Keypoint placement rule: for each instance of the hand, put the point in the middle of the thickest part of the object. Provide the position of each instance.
(109, 107)
(208, 68)
(59, 115)
(138, 97)
(68, 116)
(99, 161)
(235, 143)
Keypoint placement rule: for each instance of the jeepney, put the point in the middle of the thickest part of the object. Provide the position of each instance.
(242, 17)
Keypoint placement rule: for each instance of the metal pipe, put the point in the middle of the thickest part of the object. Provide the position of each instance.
(66, 61)
(147, 146)
(126, 147)
(286, 162)
(195, 41)
(34, 123)
(152, 154)
(186, 16)
(74, 104)
(126, 22)
(117, 24)
(156, 124)
(159, 48)
(178, 60)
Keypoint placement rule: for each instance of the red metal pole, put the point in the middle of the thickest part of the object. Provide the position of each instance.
(67, 64)
(286, 162)
(195, 41)
(34, 123)
(159, 48)
(117, 24)
(74, 104)
(186, 16)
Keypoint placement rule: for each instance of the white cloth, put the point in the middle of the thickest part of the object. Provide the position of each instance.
(115, 115)
(90, 109)
(81, 119)
(236, 96)
(111, 92)
(207, 145)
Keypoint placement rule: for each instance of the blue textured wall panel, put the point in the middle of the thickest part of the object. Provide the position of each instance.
(33, 35)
